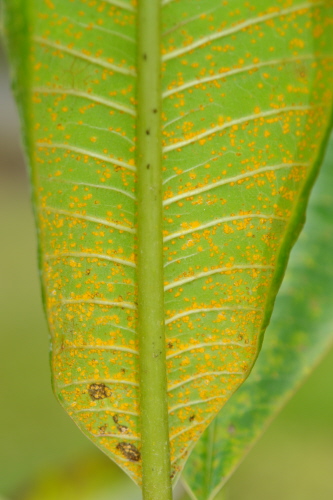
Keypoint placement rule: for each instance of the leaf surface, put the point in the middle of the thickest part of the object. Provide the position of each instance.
(299, 334)
(246, 104)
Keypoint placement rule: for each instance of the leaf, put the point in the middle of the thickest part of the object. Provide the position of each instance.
(299, 334)
(244, 108)
(89, 478)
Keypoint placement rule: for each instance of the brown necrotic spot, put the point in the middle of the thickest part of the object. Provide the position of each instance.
(173, 473)
(129, 451)
(99, 391)
(122, 428)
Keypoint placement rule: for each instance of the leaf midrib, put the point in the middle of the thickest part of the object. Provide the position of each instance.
(155, 449)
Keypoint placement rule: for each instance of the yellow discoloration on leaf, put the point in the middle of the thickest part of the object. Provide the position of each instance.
(247, 94)
(259, 157)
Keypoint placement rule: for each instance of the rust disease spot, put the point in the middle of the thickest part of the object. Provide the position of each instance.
(99, 391)
(129, 451)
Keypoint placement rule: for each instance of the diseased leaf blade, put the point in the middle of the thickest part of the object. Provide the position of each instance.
(243, 105)
(299, 334)
(81, 126)
(247, 97)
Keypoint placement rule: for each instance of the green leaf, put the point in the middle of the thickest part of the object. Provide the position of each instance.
(90, 478)
(211, 166)
(299, 334)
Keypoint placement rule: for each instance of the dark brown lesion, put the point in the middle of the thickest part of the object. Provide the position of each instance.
(99, 391)
(173, 473)
(122, 428)
(129, 451)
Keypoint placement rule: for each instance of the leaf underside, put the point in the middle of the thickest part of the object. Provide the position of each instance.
(246, 107)
(299, 334)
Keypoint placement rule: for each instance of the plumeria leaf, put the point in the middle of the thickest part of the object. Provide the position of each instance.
(217, 158)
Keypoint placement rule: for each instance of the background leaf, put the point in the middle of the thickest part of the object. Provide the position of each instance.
(300, 332)
(88, 479)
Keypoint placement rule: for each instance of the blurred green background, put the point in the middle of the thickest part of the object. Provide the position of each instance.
(43, 456)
